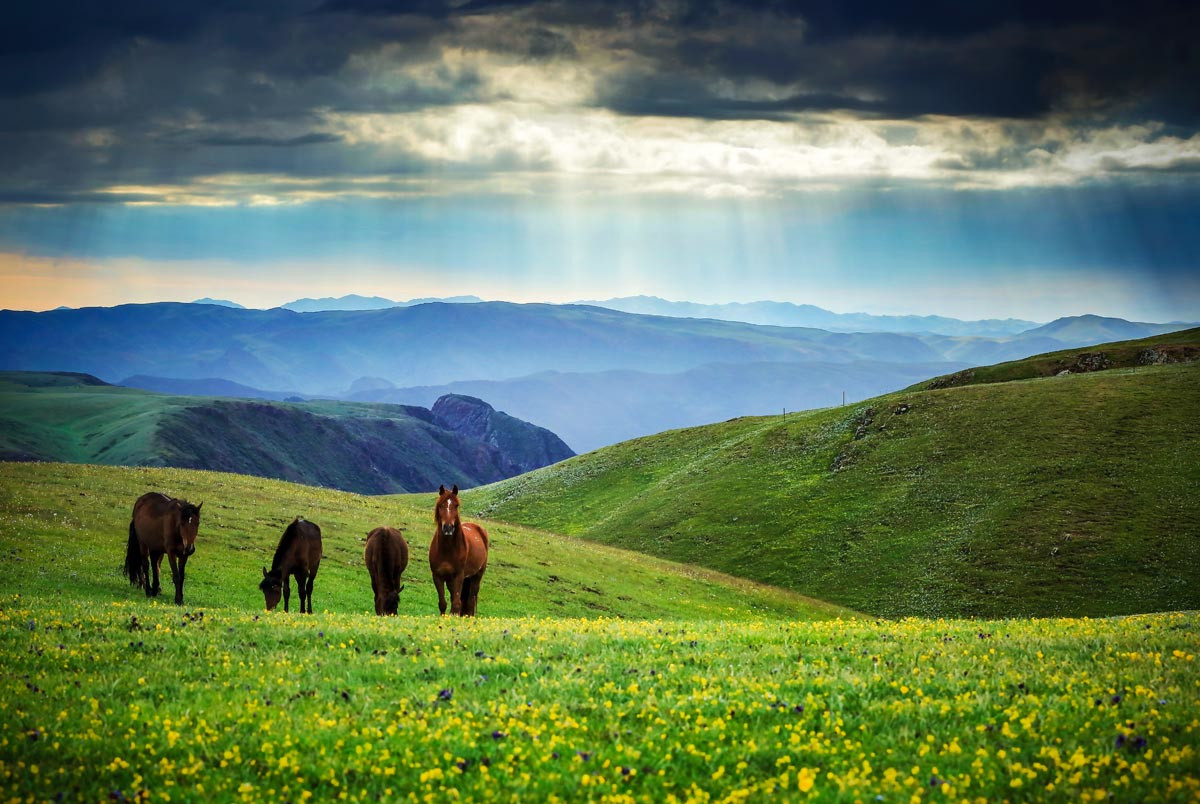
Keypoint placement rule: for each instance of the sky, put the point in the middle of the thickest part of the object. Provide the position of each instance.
(976, 160)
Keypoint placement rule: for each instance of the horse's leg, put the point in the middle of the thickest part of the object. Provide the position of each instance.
(466, 597)
(154, 560)
(472, 602)
(144, 568)
(308, 591)
(287, 591)
(456, 593)
(182, 572)
(177, 575)
(440, 583)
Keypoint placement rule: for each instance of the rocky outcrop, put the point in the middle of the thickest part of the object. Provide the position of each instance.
(963, 377)
(1167, 354)
(523, 445)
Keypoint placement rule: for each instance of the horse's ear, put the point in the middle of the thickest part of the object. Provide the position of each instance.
(264, 572)
(198, 507)
(455, 489)
(441, 489)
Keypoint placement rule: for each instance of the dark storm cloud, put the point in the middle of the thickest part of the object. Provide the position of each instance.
(1011, 60)
(985, 59)
(144, 92)
(314, 138)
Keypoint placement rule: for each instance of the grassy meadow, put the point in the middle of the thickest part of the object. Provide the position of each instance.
(712, 689)
(63, 530)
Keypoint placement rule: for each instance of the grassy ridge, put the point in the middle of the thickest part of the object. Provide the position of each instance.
(63, 530)
(72, 420)
(1072, 495)
(1173, 347)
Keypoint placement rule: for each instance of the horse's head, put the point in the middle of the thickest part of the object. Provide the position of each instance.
(388, 601)
(189, 525)
(445, 513)
(272, 588)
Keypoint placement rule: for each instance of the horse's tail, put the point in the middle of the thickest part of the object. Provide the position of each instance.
(133, 559)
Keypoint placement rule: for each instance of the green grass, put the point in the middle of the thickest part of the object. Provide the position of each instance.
(1180, 346)
(63, 530)
(723, 691)
(123, 700)
(1060, 496)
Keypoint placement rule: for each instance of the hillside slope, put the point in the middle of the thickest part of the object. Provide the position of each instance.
(359, 447)
(1070, 495)
(63, 530)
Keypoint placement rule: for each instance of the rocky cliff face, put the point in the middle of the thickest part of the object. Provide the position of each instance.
(522, 445)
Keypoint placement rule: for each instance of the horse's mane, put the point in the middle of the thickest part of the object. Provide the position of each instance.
(285, 543)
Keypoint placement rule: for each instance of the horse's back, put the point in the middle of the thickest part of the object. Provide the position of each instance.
(308, 544)
(152, 514)
(149, 504)
(307, 531)
(386, 550)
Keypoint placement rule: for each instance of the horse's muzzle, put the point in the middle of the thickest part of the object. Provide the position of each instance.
(189, 550)
(447, 531)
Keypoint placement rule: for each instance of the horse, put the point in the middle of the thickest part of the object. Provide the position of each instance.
(458, 555)
(160, 526)
(299, 554)
(386, 557)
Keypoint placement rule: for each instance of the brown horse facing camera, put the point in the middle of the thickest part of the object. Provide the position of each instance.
(160, 526)
(386, 557)
(299, 554)
(458, 556)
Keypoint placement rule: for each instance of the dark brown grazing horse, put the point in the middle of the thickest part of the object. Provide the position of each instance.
(458, 555)
(299, 554)
(386, 556)
(160, 526)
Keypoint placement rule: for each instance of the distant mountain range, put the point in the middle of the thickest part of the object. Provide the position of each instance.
(356, 447)
(593, 374)
(354, 302)
(348, 302)
(219, 303)
(786, 314)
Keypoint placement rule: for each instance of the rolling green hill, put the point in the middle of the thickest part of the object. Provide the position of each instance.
(370, 448)
(63, 530)
(1071, 495)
